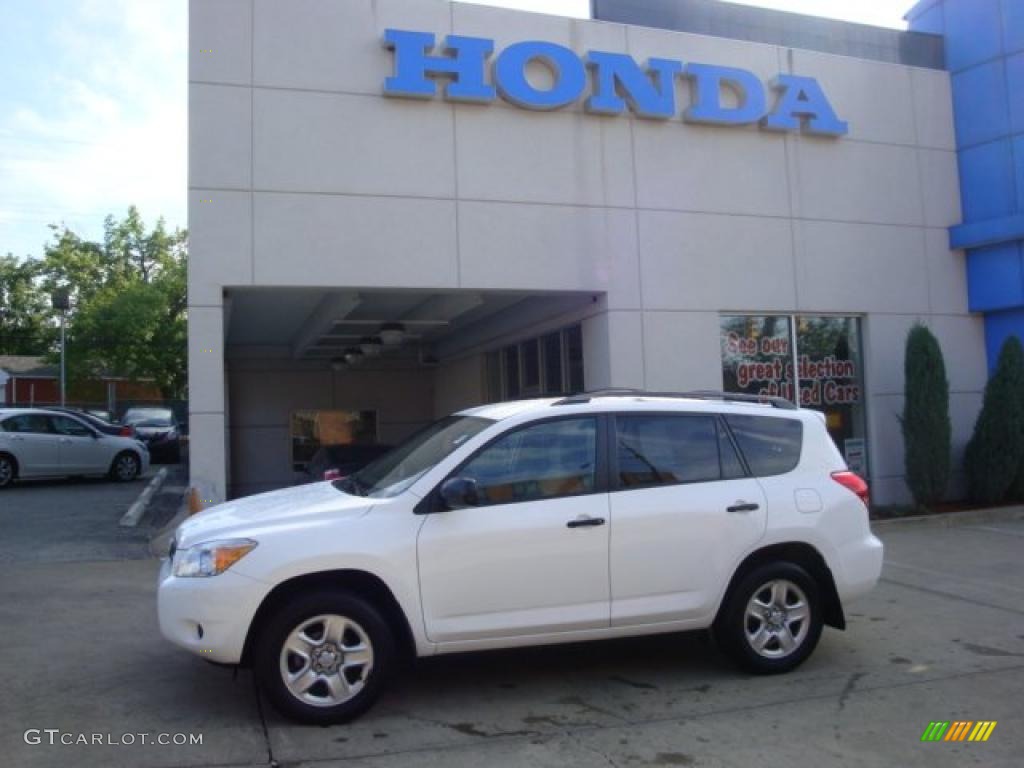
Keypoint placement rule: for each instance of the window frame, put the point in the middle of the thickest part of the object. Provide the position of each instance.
(431, 503)
(615, 481)
(51, 429)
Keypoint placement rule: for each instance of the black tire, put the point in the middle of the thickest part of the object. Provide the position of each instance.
(125, 467)
(270, 658)
(8, 470)
(737, 634)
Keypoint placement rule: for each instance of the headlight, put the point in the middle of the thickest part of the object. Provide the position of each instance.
(211, 557)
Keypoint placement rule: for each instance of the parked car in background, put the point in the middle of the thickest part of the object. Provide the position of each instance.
(159, 430)
(40, 443)
(544, 521)
(104, 425)
(333, 462)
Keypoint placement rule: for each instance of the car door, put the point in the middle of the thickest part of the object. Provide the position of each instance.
(683, 511)
(31, 440)
(80, 449)
(532, 556)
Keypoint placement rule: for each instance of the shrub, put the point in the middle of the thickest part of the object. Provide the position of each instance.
(927, 430)
(995, 454)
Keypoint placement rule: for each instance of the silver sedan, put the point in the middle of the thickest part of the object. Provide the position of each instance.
(39, 443)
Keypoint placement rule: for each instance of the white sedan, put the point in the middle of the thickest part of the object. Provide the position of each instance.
(39, 443)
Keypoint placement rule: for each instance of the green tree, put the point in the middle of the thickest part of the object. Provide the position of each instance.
(26, 322)
(927, 430)
(995, 453)
(128, 297)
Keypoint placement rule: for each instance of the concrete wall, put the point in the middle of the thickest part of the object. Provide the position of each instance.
(265, 393)
(300, 171)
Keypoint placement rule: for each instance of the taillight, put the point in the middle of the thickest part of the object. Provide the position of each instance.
(333, 474)
(853, 482)
(127, 431)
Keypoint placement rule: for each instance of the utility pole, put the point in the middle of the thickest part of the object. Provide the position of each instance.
(61, 301)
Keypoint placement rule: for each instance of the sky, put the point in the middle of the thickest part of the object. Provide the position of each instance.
(93, 107)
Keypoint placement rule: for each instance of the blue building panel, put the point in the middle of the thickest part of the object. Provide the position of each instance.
(995, 278)
(1015, 90)
(931, 21)
(987, 186)
(980, 110)
(974, 32)
(1013, 26)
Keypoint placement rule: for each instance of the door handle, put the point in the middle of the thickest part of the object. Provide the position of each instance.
(585, 522)
(741, 506)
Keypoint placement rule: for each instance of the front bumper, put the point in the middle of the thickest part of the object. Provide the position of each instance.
(223, 606)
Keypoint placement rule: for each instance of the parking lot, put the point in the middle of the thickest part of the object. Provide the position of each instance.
(942, 638)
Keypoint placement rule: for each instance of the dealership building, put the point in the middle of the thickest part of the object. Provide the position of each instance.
(401, 208)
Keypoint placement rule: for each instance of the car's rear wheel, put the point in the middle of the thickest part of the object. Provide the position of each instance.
(126, 467)
(323, 658)
(8, 470)
(771, 620)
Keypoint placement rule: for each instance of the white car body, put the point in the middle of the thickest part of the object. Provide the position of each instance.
(61, 452)
(493, 577)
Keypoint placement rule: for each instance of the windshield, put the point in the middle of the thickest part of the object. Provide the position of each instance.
(398, 469)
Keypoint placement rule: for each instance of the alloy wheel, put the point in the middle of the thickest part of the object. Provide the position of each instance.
(777, 619)
(6, 471)
(126, 468)
(326, 660)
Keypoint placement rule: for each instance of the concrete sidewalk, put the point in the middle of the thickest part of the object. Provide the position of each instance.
(942, 638)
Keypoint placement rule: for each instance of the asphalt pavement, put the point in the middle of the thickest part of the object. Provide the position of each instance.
(941, 638)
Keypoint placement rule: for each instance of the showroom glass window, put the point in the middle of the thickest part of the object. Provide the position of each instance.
(818, 355)
(551, 364)
(310, 430)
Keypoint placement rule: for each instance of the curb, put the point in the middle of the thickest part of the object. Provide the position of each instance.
(953, 519)
(137, 510)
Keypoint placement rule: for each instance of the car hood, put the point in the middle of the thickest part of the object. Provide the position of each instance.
(312, 504)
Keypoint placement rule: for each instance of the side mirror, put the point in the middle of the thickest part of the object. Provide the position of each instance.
(459, 493)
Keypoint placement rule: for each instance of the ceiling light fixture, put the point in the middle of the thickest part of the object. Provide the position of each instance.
(370, 346)
(391, 334)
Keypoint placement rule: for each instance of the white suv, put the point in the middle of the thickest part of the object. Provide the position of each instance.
(544, 521)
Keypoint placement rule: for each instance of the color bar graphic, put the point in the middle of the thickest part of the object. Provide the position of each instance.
(958, 730)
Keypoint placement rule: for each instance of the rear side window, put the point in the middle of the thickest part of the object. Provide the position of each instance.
(659, 449)
(30, 423)
(771, 446)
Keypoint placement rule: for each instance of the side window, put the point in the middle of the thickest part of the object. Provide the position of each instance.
(664, 450)
(546, 461)
(28, 423)
(771, 445)
(66, 426)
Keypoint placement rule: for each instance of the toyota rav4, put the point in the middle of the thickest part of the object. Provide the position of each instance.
(545, 521)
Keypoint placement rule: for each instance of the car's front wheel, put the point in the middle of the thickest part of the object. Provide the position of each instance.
(771, 620)
(126, 467)
(323, 658)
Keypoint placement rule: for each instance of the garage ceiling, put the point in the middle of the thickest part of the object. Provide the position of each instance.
(315, 324)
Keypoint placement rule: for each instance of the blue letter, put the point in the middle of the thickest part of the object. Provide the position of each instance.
(463, 61)
(510, 75)
(708, 82)
(616, 73)
(803, 101)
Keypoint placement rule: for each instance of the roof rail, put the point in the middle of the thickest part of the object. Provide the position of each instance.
(704, 394)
